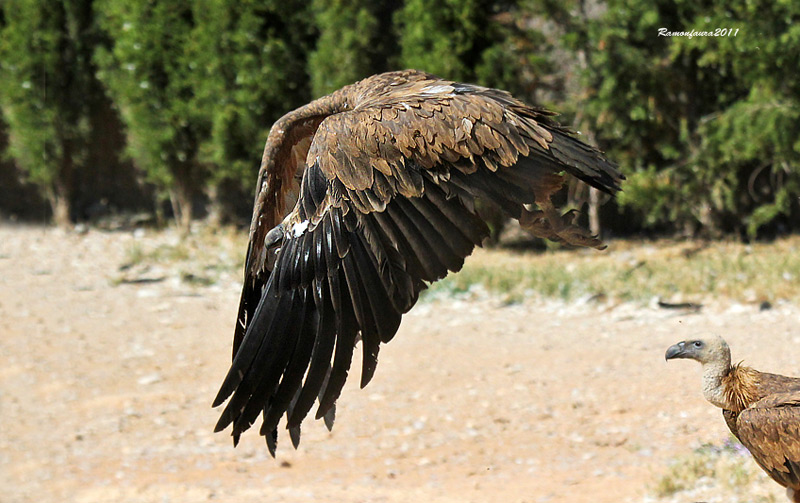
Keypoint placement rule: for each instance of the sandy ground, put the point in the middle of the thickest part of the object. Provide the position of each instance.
(105, 393)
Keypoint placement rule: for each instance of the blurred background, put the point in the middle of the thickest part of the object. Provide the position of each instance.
(160, 109)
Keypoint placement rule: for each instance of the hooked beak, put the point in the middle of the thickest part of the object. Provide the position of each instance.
(676, 351)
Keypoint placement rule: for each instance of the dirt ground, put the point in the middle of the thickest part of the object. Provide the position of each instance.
(105, 393)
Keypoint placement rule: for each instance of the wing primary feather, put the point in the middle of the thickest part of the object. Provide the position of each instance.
(379, 247)
(253, 340)
(315, 186)
(353, 270)
(343, 355)
(251, 297)
(294, 435)
(261, 331)
(270, 362)
(387, 319)
(295, 262)
(321, 354)
(294, 431)
(296, 369)
(286, 263)
(329, 416)
(341, 244)
(302, 277)
(399, 284)
(272, 442)
(320, 264)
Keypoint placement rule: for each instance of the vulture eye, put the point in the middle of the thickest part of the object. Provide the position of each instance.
(698, 344)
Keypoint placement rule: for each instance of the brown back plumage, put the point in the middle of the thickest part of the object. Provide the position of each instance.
(769, 426)
(364, 197)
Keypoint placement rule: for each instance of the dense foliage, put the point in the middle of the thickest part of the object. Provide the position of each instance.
(248, 68)
(705, 127)
(47, 91)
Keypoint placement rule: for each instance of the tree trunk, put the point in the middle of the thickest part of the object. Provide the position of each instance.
(60, 204)
(594, 211)
(181, 200)
(216, 207)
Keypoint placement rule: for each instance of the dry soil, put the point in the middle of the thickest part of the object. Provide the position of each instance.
(105, 392)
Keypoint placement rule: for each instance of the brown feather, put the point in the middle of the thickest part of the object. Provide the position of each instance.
(764, 414)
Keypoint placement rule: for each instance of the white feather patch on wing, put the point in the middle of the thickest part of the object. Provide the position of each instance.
(299, 229)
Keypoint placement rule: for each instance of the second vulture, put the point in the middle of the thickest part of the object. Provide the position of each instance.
(364, 197)
(762, 410)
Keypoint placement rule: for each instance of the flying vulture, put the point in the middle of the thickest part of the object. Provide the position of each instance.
(762, 410)
(364, 197)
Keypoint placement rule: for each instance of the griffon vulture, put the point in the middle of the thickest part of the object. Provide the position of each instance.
(364, 197)
(762, 410)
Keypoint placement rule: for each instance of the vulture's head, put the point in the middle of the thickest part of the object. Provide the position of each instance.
(710, 349)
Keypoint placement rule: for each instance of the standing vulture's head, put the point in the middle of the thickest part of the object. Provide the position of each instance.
(709, 349)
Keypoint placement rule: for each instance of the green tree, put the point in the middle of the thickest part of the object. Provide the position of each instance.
(702, 125)
(47, 90)
(355, 41)
(482, 41)
(150, 75)
(251, 68)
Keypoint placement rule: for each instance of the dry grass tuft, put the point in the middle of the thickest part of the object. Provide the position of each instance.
(639, 272)
(198, 258)
(717, 469)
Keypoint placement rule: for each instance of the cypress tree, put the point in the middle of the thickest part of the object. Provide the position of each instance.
(251, 68)
(46, 92)
(150, 75)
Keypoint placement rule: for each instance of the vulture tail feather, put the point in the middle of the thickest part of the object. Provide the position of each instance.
(497, 184)
(585, 163)
(486, 192)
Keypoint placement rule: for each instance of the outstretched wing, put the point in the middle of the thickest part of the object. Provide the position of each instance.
(386, 205)
(770, 429)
